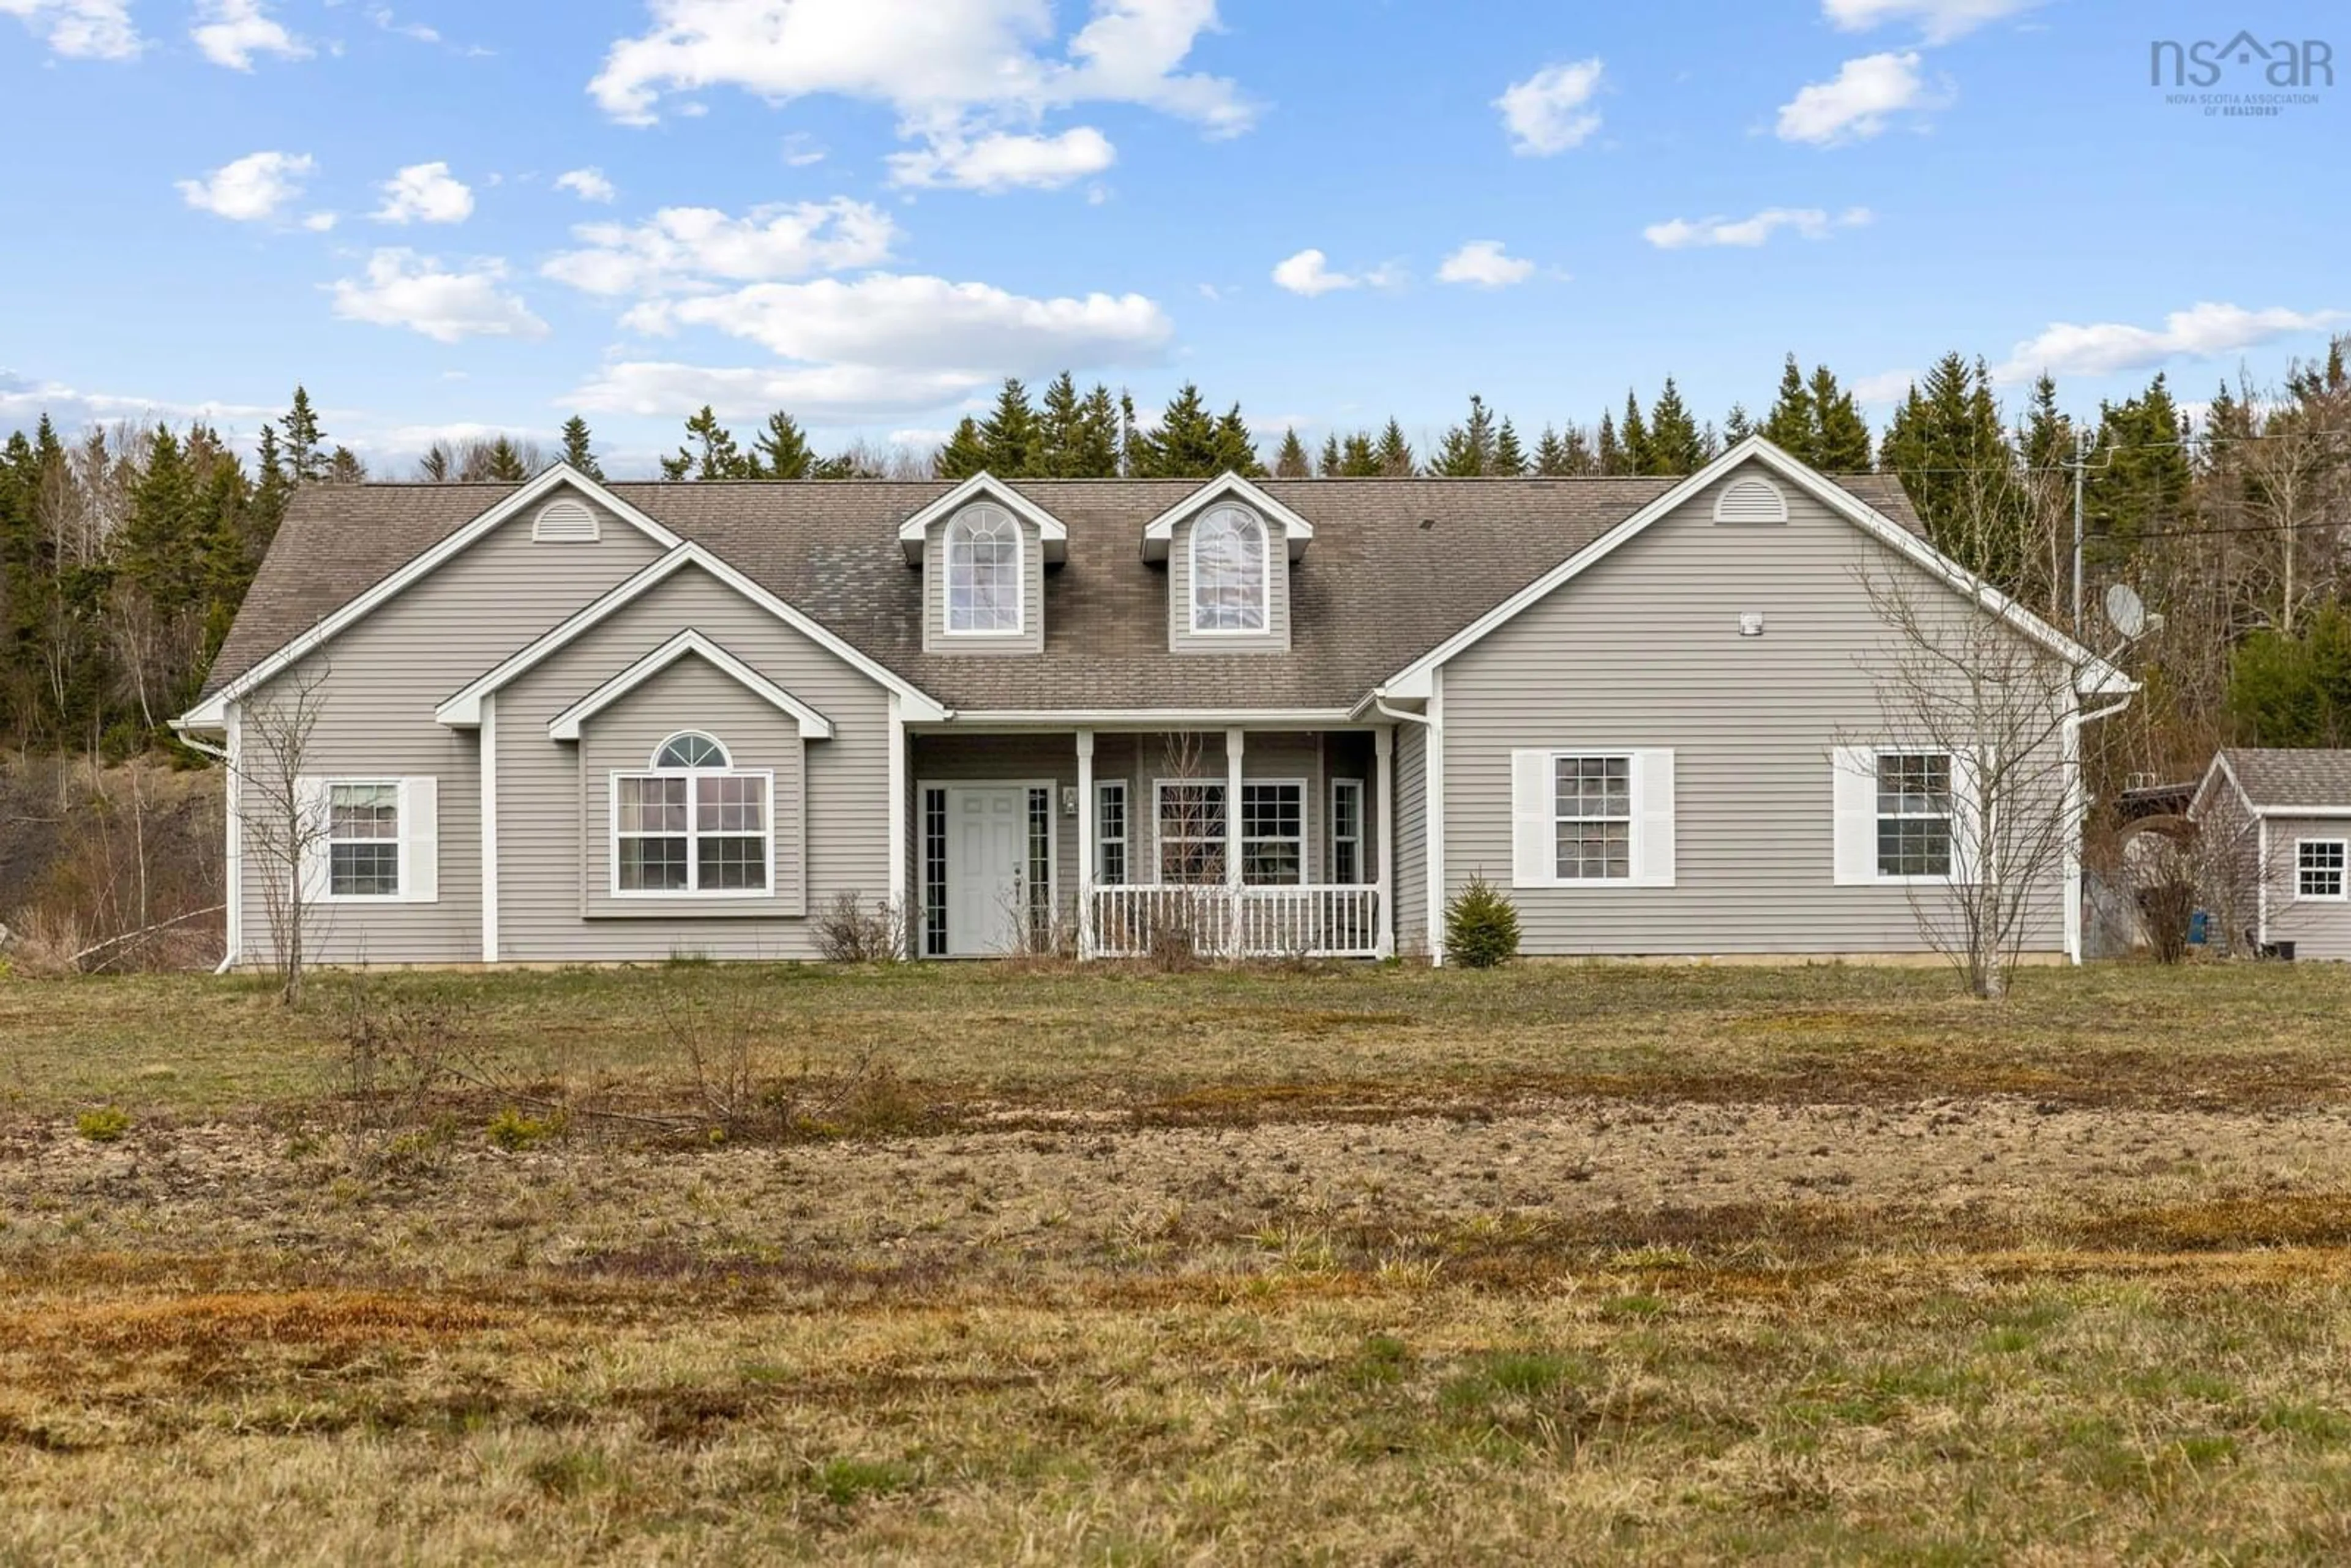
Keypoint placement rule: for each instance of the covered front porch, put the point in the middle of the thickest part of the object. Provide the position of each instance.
(1128, 841)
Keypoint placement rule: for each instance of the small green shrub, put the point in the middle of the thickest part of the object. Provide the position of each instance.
(512, 1131)
(1481, 928)
(104, 1125)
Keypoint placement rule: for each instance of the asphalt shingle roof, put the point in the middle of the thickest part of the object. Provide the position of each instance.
(1396, 567)
(2279, 779)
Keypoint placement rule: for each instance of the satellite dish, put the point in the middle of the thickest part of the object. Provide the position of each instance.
(2125, 610)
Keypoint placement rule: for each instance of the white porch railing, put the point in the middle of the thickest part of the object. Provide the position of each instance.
(1235, 922)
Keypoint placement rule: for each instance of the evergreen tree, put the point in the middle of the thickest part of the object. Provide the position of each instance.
(1635, 437)
(1059, 430)
(1332, 458)
(1550, 454)
(965, 452)
(1840, 434)
(1360, 457)
(1510, 458)
(1011, 433)
(1609, 453)
(712, 454)
(1948, 445)
(1236, 448)
(438, 466)
(2139, 478)
(1396, 452)
(580, 450)
(1793, 425)
(306, 463)
(781, 450)
(1097, 455)
(1467, 450)
(345, 468)
(506, 464)
(1674, 445)
(1187, 445)
(1291, 461)
(1738, 424)
(267, 508)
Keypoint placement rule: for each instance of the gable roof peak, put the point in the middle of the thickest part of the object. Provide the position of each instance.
(1160, 532)
(984, 485)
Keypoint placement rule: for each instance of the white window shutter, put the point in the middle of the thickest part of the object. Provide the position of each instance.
(1534, 819)
(420, 840)
(1854, 768)
(1652, 811)
(310, 803)
(1968, 841)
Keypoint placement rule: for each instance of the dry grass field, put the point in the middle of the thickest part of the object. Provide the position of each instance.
(1557, 1263)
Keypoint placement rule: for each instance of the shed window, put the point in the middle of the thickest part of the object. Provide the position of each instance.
(1230, 580)
(984, 572)
(2318, 866)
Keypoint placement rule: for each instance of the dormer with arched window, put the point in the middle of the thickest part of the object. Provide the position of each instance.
(1229, 548)
(983, 549)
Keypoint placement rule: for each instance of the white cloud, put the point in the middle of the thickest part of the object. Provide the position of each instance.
(825, 393)
(588, 184)
(23, 402)
(382, 17)
(1482, 262)
(684, 249)
(1854, 105)
(1001, 161)
(937, 65)
(231, 32)
(1939, 21)
(1885, 388)
(424, 192)
(1308, 273)
(801, 151)
(403, 288)
(80, 30)
(918, 324)
(250, 189)
(1812, 222)
(2201, 331)
(1550, 111)
(320, 223)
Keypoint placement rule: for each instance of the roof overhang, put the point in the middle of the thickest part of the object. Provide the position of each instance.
(984, 486)
(2222, 772)
(1163, 720)
(1159, 534)
(2092, 675)
(688, 643)
(463, 710)
(212, 713)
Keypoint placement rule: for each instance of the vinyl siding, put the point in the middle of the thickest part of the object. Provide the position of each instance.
(1643, 651)
(553, 803)
(2318, 928)
(1411, 880)
(935, 597)
(374, 689)
(1182, 639)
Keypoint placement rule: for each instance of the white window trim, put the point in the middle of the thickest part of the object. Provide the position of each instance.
(691, 893)
(1265, 575)
(1020, 576)
(1232, 840)
(653, 758)
(326, 851)
(1631, 819)
(1357, 840)
(1651, 841)
(1966, 828)
(1125, 840)
(2342, 873)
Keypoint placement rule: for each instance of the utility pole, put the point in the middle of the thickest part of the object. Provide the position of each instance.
(2080, 466)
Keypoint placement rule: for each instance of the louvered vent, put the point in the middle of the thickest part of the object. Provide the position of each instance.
(564, 523)
(1751, 501)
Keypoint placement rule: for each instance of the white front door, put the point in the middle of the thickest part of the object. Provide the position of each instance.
(987, 861)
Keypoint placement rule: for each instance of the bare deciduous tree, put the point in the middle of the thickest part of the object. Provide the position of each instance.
(283, 828)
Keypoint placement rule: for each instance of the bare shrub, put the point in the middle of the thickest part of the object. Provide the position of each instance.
(849, 930)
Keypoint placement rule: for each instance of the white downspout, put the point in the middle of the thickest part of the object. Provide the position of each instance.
(231, 921)
(1432, 805)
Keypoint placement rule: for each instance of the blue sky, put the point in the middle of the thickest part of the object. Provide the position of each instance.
(870, 211)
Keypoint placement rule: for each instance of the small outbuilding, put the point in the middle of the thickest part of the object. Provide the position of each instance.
(2274, 830)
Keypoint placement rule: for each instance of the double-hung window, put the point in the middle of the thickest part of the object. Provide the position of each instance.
(693, 824)
(984, 572)
(1916, 814)
(1196, 832)
(363, 839)
(1273, 834)
(1110, 832)
(1593, 796)
(2318, 868)
(1191, 832)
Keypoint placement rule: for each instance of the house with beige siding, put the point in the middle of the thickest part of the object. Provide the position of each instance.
(2275, 850)
(577, 721)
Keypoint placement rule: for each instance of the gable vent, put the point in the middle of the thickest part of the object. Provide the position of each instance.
(564, 523)
(1751, 501)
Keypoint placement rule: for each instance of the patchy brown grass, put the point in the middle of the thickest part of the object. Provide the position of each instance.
(1575, 1264)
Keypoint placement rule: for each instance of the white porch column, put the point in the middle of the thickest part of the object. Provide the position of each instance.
(1236, 743)
(489, 771)
(1087, 828)
(901, 906)
(1383, 801)
(1432, 785)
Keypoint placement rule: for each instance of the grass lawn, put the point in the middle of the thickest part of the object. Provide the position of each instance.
(703, 1263)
